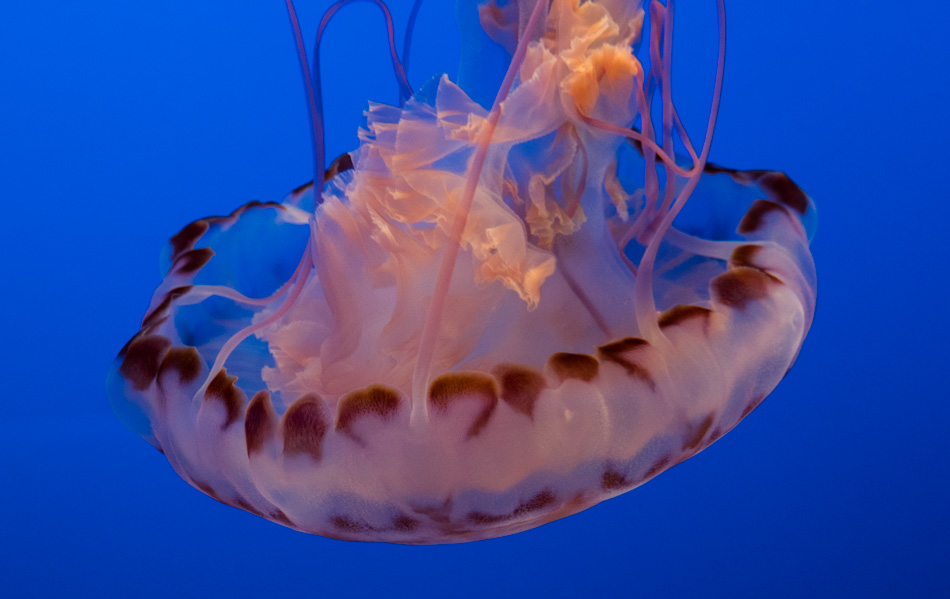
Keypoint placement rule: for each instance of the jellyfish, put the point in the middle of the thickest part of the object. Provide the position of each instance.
(491, 314)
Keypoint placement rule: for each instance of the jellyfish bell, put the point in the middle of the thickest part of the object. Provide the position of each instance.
(492, 315)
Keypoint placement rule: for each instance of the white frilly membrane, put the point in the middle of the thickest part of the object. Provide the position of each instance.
(547, 392)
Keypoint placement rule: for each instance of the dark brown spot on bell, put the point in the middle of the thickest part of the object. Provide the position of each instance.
(209, 491)
(679, 314)
(260, 421)
(657, 467)
(520, 386)
(237, 212)
(345, 524)
(574, 366)
(623, 346)
(187, 237)
(744, 255)
(304, 426)
(738, 287)
(222, 389)
(192, 261)
(183, 361)
(695, 436)
(405, 524)
(618, 352)
(538, 502)
(376, 400)
(156, 316)
(715, 169)
(281, 517)
(754, 218)
(247, 507)
(748, 177)
(302, 189)
(453, 386)
(780, 188)
(613, 480)
(343, 162)
(143, 358)
(752, 405)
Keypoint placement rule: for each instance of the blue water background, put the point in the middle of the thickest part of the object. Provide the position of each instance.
(122, 121)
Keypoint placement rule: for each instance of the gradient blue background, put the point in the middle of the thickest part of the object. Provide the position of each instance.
(122, 121)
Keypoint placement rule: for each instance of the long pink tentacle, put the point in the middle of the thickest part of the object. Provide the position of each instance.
(200, 292)
(430, 332)
(681, 130)
(666, 90)
(643, 139)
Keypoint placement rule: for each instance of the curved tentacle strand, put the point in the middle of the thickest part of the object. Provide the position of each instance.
(420, 377)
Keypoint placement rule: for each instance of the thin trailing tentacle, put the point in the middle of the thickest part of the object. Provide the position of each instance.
(721, 250)
(651, 182)
(199, 293)
(666, 90)
(314, 104)
(405, 90)
(315, 87)
(684, 136)
(299, 280)
(680, 130)
(643, 139)
(407, 39)
(643, 290)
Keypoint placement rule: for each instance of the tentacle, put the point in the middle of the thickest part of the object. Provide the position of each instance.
(314, 104)
(420, 377)
(299, 282)
(407, 40)
(645, 302)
